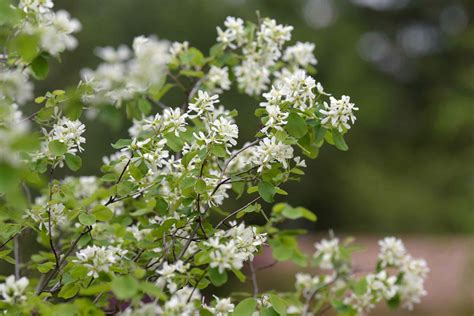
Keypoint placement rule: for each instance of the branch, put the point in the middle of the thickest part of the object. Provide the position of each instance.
(16, 250)
(254, 279)
(236, 211)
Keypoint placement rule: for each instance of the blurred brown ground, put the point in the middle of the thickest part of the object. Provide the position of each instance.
(450, 284)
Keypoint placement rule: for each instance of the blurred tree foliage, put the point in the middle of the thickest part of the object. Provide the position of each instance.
(409, 69)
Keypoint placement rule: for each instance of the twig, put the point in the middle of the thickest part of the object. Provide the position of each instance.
(254, 279)
(16, 251)
(157, 103)
(42, 285)
(236, 211)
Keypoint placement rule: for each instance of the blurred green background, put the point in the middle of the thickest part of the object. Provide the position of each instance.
(408, 65)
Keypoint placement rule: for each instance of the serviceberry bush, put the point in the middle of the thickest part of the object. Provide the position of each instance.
(152, 235)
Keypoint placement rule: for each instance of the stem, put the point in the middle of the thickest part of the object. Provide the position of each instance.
(254, 279)
(16, 250)
(236, 211)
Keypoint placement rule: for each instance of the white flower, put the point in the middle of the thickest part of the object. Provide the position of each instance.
(273, 33)
(251, 77)
(14, 85)
(38, 6)
(99, 259)
(56, 33)
(412, 284)
(218, 79)
(138, 234)
(382, 285)
(13, 291)
(182, 302)
(203, 103)
(328, 252)
(276, 119)
(222, 307)
(68, 132)
(56, 218)
(225, 130)
(111, 55)
(301, 54)
(234, 34)
(174, 120)
(339, 113)
(392, 252)
(178, 48)
(149, 309)
(271, 150)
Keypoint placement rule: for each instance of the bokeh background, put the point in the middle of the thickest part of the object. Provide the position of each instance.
(407, 64)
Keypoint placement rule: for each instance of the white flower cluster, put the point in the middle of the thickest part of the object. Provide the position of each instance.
(306, 283)
(300, 54)
(12, 127)
(64, 131)
(70, 133)
(339, 113)
(15, 87)
(408, 283)
(46, 215)
(231, 248)
(182, 302)
(217, 79)
(54, 29)
(328, 253)
(13, 291)
(221, 306)
(99, 259)
(125, 73)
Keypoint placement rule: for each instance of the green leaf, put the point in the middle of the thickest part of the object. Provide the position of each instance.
(121, 143)
(200, 186)
(26, 46)
(360, 287)
(219, 151)
(73, 162)
(86, 219)
(216, 277)
(245, 308)
(69, 290)
(39, 67)
(394, 302)
(268, 311)
(57, 148)
(96, 289)
(339, 141)
(296, 125)
(102, 213)
(124, 287)
(267, 191)
(152, 289)
(278, 304)
(292, 213)
(144, 106)
(45, 267)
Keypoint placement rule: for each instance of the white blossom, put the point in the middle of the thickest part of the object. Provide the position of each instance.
(328, 252)
(392, 252)
(99, 259)
(300, 54)
(222, 307)
(270, 150)
(70, 133)
(14, 85)
(338, 114)
(12, 290)
(218, 79)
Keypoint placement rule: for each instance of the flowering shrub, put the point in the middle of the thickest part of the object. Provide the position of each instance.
(153, 233)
